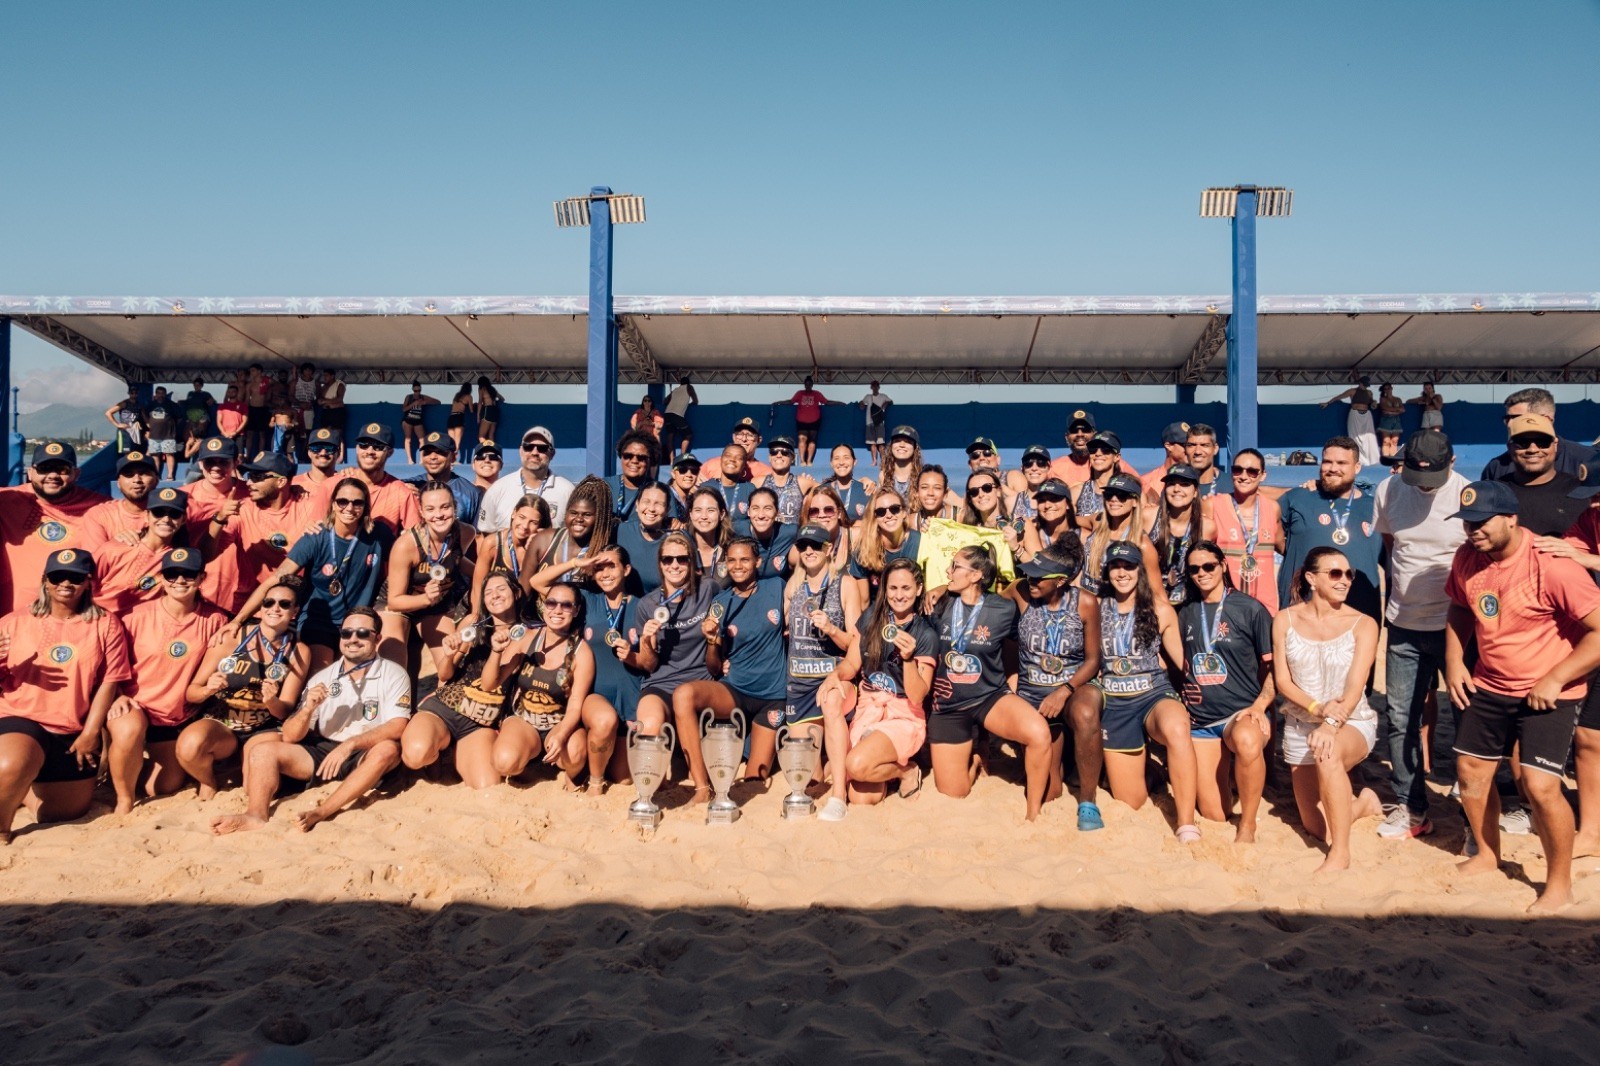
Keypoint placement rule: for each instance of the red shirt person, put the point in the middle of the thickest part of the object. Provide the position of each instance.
(39, 518)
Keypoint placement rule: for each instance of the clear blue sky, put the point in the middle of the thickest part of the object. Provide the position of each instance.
(861, 148)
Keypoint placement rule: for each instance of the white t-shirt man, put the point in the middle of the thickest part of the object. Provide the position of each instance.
(1424, 545)
(383, 695)
(494, 513)
(678, 401)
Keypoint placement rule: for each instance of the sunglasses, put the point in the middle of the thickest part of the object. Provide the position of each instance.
(363, 633)
(259, 475)
(538, 449)
(1531, 440)
(172, 514)
(370, 446)
(1203, 568)
(322, 449)
(60, 578)
(1120, 564)
(178, 575)
(780, 451)
(635, 457)
(823, 512)
(1117, 494)
(560, 605)
(893, 508)
(286, 604)
(347, 504)
(985, 452)
(811, 546)
(1246, 471)
(1035, 462)
(1337, 573)
(1102, 449)
(674, 560)
(981, 490)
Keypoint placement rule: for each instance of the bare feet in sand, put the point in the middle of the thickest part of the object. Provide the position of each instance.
(1245, 834)
(595, 788)
(1482, 863)
(310, 819)
(207, 793)
(1367, 805)
(702, 794)
(1585, 846)
(123, 807)
(1550, 902)
(235, 823)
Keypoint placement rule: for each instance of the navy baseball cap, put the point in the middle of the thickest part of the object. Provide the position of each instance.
(1181, 472)
(1123, 551)
(55, 451)
(1108, 439)
(1036, 451)
(1175, 433)
(1053, 487)
(135, 459)
(69, 561)
(982, 444)
(745, 423)
(182, 561)
(812, 534)
(324, 438)
(169, 500)
(1081, 418)
(1125, 484)
(686, 461)
(486, 450)
(1482, 500)
(269, 463)
(1041, 568)
(780, 442)
(219, 448)
(377, 433)
(438, 442)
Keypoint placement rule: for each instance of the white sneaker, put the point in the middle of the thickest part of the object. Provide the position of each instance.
(1401, 823)
(1516, 822)
(833, 811)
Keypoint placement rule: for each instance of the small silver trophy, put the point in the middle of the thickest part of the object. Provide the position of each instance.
(649, 759)
(722, 745)
(797, 758)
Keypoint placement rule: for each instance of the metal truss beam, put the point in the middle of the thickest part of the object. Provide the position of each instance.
(74, 343)
(634, 346)
(1212, 339)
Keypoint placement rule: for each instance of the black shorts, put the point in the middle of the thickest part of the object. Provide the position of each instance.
(491, 414)
(454, 421)
(456, 724)
(1589, 717)
(258, 420)
(963, 723)
(1493, 723)
(59, 763)
(808, 428)
(768, 714)
(318, 748)
(165, 734)
(675, 424)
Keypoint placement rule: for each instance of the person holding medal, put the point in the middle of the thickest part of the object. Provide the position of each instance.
(586, 524)
(892, 653)
(773, 539)
(550, 671)
(1178, 523)
(1122, 521)
(667, 641)
(746, 654)
(167, 639)
(821, 607)
(1139, 642)
(607, 610)
(347, 728)
(247, 683)
(882, 539)
(969, 683)
(344, 562)
(130, 574)
(1336, 513)
(1227, 644)
(1249, 527)
(1322, 653)
(1058, 655)
(641, 532)
(427, 579)
(710, 530)
(505, 551)
(61, 661)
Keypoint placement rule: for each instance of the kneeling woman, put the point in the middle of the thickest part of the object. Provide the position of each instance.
(893, 652)
(1137, 628)
(168, 640)
(554, 674)
(247, 688)
(1322, 652)
(462, 711)
(1227, 645)
(969, 684)
(60, 664)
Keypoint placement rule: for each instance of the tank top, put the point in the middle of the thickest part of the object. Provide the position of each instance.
(240, 706)
(1127, 668)
(1050, 644)
(790, 498)
(542, 691)
(422, 573)
(467, 673)
(506, 561)
(1257, 579)
(1175, 560)
(1023, 508)
(813, 656)
(562, 543)
(1322, 667)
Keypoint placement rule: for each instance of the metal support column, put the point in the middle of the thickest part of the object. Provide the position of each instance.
(600, 430)
(14, 443)
(1242, 379)
(1185, 394)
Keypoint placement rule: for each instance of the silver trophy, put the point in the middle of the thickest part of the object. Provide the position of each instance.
(722, 746)
(649, 759)
(797, 758)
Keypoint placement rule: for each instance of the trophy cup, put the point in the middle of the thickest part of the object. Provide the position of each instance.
(649, 758)
(722, 746)
(797, 758)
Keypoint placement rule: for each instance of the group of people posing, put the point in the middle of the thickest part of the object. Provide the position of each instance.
(1070, 607)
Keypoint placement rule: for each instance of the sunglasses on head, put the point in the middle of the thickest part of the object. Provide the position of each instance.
(1203, 568)
(1337, 573)
(357, 633)
(1245, 471)
(893, 508)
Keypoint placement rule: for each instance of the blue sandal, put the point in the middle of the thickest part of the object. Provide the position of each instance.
(1089, 818)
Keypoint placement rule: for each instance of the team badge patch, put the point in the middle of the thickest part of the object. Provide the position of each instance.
(53, 532)
(1469, 496)
(1488, 605)
(279, 541)
(773, 616)
(369, 710)
(147, 582)
(61, 654)
(179, 555)
(177, 649)
(372, 427)
(214, 445)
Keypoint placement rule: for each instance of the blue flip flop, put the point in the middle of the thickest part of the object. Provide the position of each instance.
(1089, 818)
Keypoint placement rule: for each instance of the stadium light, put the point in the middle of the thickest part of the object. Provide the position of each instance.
(1244, 204)
(599, 211)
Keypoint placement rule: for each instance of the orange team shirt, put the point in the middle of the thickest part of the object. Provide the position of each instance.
(30, 529)
(1527, 613)
(393, 502)
(754, 469)
(222, 583)
(264, 537)
(108, 520)
(167, 652)
(1585, 532)
(126, 576)
(55, 665)
(317, 489)
(205, 501)
(1075, 473)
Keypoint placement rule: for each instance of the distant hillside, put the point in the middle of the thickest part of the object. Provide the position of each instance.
(65, 421)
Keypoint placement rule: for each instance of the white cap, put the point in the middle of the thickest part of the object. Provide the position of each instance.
(540, 432)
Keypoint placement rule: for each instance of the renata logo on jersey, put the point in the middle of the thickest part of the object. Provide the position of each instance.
(177, 649)
(61, 654)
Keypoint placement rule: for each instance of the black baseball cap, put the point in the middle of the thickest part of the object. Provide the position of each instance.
(1427, 457)
(219, 448)
(269, 463)
(1175, 433)
(1122, 551)
(812, 534)
(1053, 487)
(324, 438)
(1107, 438)
(686, 461)
(981, 444)
(1036, 451)
(182, 561)
(1125, 484)
(169, 500)
(377, 433)
(438, 442)
(69, 561)
(745, 423)
(780, 442)
(908, 432)
(55, 451)
(487, 448)
(1041, 568)
(135, 459)
(1081, 417)
(1181, 472)
(1482, 500)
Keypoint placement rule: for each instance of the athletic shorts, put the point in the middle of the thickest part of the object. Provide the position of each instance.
(893, 716)
(456, 724)
(961, 724)
(1389, 424)
(1122, 719)
(1589, 717)
(454, 421)
(1036, 697)
(318, 748)
(1492, 723)
(1297, 738)
(164, 447)
(1213, 730)
(164, 734)
(801, 703)
(768, 714)
(491, 414)
(60, 765)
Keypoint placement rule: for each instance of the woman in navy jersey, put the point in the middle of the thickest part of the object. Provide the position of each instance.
(710, 529)
(773, 539)
(746, 652)
(970, 692)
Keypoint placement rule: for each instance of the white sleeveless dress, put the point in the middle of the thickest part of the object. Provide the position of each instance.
(1322, 668)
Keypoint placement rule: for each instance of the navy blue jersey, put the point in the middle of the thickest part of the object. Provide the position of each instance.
(611, 679)
(355, 566)
(680, 645)
(752, 640)
(641, 555)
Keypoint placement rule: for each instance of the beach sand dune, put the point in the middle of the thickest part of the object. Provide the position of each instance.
(530, 923)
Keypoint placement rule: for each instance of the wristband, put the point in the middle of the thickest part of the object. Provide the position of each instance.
(1311, 708)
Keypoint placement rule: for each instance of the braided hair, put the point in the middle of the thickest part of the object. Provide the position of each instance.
(597, 494)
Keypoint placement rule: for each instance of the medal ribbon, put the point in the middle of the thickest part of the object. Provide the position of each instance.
(1211, 631)
(615, 617)
(1341, 522)
(333, 549)
(1252, 532)
(1121, 632)
(444, 549)
(1055, 627)
(962, 624)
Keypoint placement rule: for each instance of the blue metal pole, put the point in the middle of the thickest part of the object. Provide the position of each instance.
(1242, 381)
(8, 411)
(600, 428)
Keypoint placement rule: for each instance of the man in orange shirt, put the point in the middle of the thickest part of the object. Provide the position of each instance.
(1535, 621)
(1174, 439)
(1073, 468)
(136, 479)
(218, 488)
(43, 516)
(274, 517)
(323, 452)
(394, 503)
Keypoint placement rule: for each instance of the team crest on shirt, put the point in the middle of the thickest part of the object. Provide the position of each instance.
(1488, 605)
(981, 634)
(53, 532)
(372, 558)
(279, 541)
(369, 710)
(62, 654)
(177, 649)
(1366, 529)
(773, 616)
(1324, 520)
(328, 569)
(147, 582)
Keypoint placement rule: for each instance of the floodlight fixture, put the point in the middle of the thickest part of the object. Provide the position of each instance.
(574, 211)
(1272, 201)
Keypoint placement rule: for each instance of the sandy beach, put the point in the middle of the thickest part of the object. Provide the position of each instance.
(435, 924)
